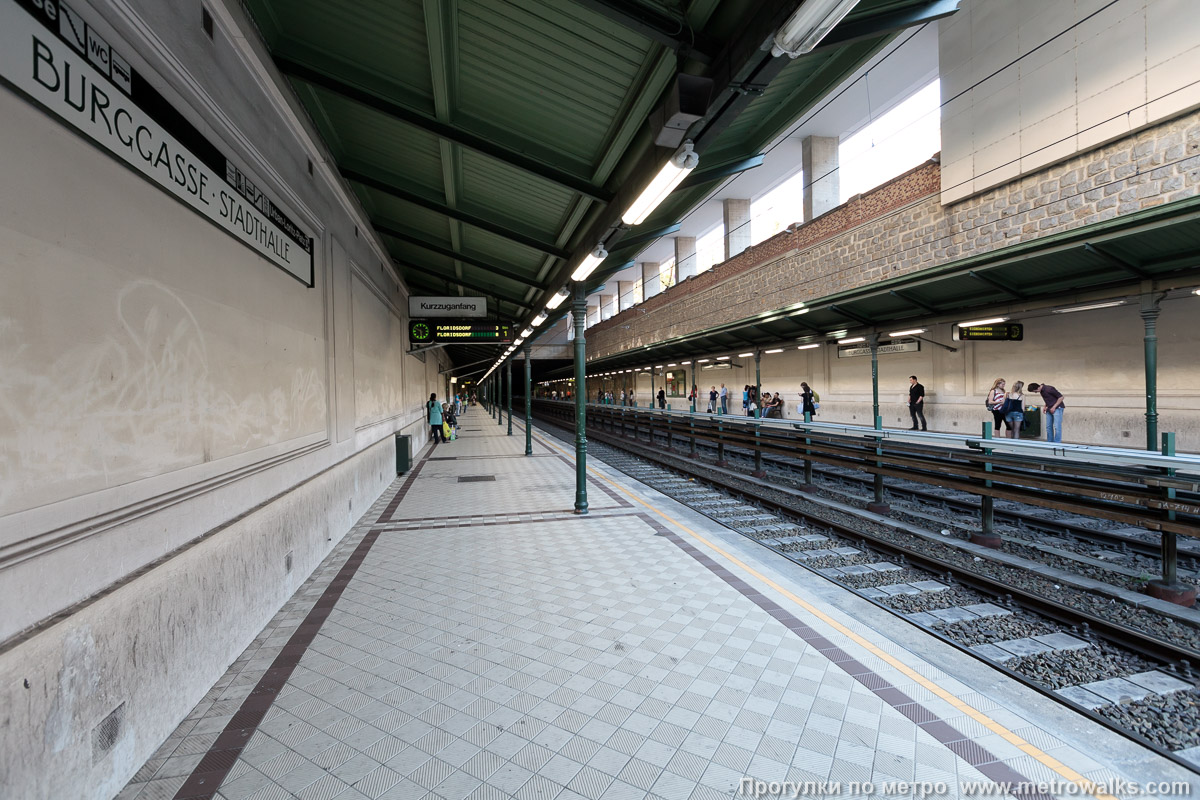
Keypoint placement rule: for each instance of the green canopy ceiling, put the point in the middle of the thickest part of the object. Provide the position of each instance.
(494, 142)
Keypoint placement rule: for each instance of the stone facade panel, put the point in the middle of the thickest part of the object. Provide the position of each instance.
(901, 228)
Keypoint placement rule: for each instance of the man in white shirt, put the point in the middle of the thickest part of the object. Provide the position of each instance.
(724, 399)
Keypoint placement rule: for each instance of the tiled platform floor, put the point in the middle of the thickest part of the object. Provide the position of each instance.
(478, 640)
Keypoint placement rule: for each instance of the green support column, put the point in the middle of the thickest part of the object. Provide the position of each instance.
(1150, 311)
(987, 535)
(499, 398)
(508, 377)
(757, 384)
(759, 472)
(874, 376)
(878, 506)
(528, 404)
(579, 307)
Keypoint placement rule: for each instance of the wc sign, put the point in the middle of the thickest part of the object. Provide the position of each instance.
(53, 56)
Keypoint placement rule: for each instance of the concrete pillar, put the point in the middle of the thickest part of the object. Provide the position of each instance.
(821, 194)
(737, 226)
(593, 314)
(685, 257)
(625, 295)
(651, 280)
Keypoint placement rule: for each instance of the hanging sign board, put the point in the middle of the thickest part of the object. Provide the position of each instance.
(49, 53)
(458, 332)
(456, 307)
(1011, 332)
(857, 350)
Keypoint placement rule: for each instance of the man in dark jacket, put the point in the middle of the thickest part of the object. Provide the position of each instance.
(916, 402)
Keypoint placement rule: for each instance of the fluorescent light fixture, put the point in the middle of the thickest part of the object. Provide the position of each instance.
(776, 350)
(589, 263)
(745, 355)
(702, 361)
(1196, 291)
(722, 358)
(810, 23)
(453, 379)
(540, 318)
(1089, 307)
(672, 365)
(525, 334)
(685, 362)
(853, 340)
(671, 175)
(837, 334)
(911, 332)
(558, 298)
(807, 346)
(990, 321)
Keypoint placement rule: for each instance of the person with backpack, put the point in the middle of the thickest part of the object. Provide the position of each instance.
(994, 402)
(433, 413)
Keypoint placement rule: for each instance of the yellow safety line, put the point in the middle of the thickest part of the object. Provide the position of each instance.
(975, 714)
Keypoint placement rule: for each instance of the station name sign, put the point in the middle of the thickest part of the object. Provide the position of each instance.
(857, 350)
(1012, 332)
(52, 55)
(458, 332)
(457, 307)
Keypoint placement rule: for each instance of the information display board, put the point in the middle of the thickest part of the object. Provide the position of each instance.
(1008, 332)
(458, 332)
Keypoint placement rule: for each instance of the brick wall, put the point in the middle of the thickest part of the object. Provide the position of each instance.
(901, 228)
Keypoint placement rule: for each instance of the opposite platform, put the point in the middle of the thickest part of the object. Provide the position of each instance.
(471, 637)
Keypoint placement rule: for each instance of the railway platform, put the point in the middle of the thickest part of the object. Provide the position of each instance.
(472, 637)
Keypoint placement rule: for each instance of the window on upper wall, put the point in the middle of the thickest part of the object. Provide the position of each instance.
(666, 273)
(777, 209)
(710, 249)
(892, 144)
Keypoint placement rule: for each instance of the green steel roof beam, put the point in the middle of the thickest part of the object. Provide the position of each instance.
(425, 272)
(852, 31)
(389, 229)
(462, 216)
(1119, 263)
(655, 25)
(701, 176)
(914, 302)
(317, 77)
(995, 284)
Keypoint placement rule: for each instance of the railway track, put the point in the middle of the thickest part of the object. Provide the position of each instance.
(1122, 556)
(1139, 682)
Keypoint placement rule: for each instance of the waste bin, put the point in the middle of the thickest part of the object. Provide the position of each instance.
(1032, 429)
(403, 453)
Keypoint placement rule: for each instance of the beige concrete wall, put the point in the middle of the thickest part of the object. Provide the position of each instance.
(176, 414)
(1027, 84)
(1095, 358)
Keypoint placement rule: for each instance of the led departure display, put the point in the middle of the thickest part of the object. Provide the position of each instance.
(458, 331)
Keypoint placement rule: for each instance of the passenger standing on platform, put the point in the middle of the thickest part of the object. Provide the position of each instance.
(694, 396)
(808, 403)
(662, 399)
(1054, 409)
(1014, 410)
(433, 411)
(712, 400)
(751, 400)
(724, 399)
(916, 402)
(995, 402)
